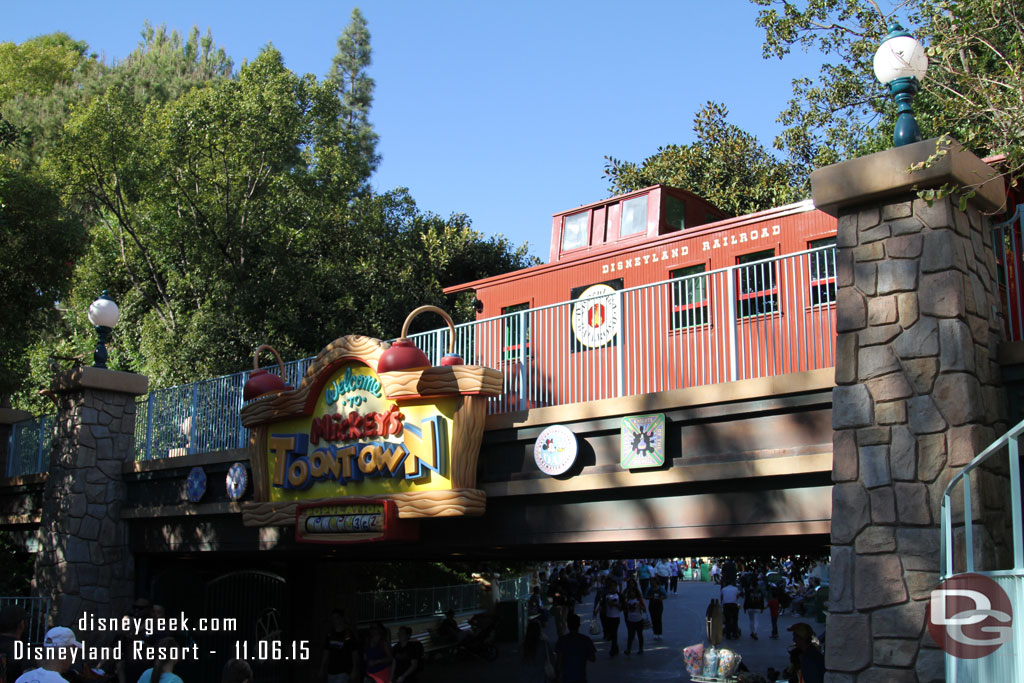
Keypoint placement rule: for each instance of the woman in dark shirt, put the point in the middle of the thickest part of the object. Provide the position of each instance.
(408, 657)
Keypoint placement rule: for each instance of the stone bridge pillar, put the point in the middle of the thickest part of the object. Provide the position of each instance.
(84, 562)
(917, 394)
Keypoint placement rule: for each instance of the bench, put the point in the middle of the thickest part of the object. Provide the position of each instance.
(435, 643)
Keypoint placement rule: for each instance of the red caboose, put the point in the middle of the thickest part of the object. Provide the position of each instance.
(656, 290)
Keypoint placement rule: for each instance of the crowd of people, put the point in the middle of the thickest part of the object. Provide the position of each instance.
(632, 593)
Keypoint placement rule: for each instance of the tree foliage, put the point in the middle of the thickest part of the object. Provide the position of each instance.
(724, 165)
(971, 92)
(39, 242)
(230, 208)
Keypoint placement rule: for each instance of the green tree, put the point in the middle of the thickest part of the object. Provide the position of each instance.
(725, 165)
(971, 92)
(231, 208)
(38, 80)
(348, 75)
(44, 77)
(39, 242)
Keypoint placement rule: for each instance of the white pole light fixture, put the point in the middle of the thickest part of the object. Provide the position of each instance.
(103, 314)
(901, 63)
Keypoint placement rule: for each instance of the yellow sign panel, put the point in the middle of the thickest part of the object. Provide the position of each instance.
(359, 443)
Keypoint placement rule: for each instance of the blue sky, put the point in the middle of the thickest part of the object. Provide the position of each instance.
(501, 111)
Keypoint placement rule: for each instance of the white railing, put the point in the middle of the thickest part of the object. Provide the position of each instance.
(1007, 244)
(412, 603)
(989, 483)
(760, 319)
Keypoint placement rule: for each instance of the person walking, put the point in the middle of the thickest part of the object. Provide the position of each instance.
(731, 610)
(753, 604)
(657, 606)
(635, 609)
(673, 577)
(574, 650)
(538, 659)
(610, 608)
(618, 572)
(643, 573)
(774, 607)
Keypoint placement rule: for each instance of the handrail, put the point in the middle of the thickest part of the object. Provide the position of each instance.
(411, 603)
(1010, 440)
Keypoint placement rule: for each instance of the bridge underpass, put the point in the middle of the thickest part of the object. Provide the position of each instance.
(748, 465)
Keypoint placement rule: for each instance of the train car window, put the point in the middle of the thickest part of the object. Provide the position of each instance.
(675, 213)
(823, 271)
(689, 297)
(634, 216)
(756, 291)
(574, 231)
(515, 332)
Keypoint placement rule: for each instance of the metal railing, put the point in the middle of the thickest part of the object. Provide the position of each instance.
(978, 534)
(760, 319)
(1008, 246)
(38, 609)
(28, 446)
(202, 417)
(412, 603)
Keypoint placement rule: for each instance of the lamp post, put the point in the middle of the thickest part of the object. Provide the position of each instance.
(103, 314)
(901, 63)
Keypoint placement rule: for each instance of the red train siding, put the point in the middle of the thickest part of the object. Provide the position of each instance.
(715, 245)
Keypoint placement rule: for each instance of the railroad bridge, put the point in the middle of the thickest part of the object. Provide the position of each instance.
(814, 398)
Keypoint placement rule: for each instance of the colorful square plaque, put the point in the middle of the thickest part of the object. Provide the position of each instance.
(643, 441)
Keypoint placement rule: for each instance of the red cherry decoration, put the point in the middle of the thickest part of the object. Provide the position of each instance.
(403, 355)
(261, 381)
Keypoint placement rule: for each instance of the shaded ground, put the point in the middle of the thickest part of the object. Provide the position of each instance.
(662, 660)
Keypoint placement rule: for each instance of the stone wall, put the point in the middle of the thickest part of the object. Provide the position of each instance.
(84, 562)
(917, 397)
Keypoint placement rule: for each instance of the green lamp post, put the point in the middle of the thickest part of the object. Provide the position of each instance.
(103, 314)
(901, 63)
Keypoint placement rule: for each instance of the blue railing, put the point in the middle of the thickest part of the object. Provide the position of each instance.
(28, 446)
(38, 609)
(202, 417)
(980, 535)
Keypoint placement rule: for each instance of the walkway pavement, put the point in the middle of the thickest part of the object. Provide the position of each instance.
(661, 661)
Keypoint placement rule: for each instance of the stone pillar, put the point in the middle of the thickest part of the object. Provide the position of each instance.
(84, 561)
(917, 394)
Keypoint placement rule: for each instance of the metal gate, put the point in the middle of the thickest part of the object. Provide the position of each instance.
(258, 602)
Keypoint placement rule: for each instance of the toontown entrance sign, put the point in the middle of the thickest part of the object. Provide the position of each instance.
(372, 437)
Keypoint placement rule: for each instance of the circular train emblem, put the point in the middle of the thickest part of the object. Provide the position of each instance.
(555, 450)
(594, 322)
(236, 481)
(195, 485)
